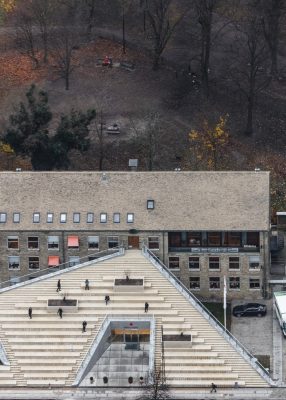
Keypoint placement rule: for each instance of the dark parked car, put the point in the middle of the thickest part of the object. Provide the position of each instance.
(249, 310)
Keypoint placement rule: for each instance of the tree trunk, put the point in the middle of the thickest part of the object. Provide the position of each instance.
(249, 121)
(205, 57)
(67, 79)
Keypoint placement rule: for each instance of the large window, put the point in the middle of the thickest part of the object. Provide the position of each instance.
(73, 260)
(214, 282)
(174, 239)
(153, 242)
(214, 239)
(73, 242)
(252, 239)
(233, 262)
(53, 242)
(214, 263)
(254, 262)
(13, 242)
(14, 262)
(194, 282)
(254, 283)
(93, 242)
(231, 239)
(34, 263)
(174, 262)
(194, 262)
(33, 242)
(234, 283)
(112, 241)
(194, 238)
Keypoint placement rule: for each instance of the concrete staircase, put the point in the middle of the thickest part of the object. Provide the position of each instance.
(48, 351)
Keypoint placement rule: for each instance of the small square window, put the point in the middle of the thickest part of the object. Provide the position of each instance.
(3, 218)
(130, 218)
(233, 262)
(150, 204)
(76, 218)
(153, 242)
(174, 262)
(93, 242)
(112, 242)
(34, 263)
(53, 242)
(214, 263)
(14, 262)
(254, 262)
(89, 218)
(16, 218)
(33, 242)
(63, 218)
(254, 283)
(13, 242)
(234, 283)
(214, 283)
(194, 262)
(73, 260)
(103, 218)
(116, 218)
(194, 283)
(50, 218)
(36, 218)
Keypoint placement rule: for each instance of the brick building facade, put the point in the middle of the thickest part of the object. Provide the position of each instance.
(203, 225)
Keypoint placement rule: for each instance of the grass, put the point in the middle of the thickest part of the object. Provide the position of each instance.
(217, 310)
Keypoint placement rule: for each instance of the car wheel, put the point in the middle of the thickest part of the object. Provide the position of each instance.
(259, 315)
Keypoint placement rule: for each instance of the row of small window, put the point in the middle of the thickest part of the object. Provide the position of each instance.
(103, 218)
(216, 284)
(214, 263)
(34, 262)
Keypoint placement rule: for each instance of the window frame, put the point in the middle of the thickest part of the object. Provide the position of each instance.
(76, 218)
(197, 279)
(14, 220)
(58, 242)
(178, 261)
(233, 262)
(254, 288)
(112, 241)
(128, 216)
(14, 269)
(63, 220)
(154, 241)
(29, 262)
(114, 218)
(35, 221)
(214, 233)
(89, 214)
(103, 218)
(151, 203)
(234, 279)
(213, 261)
(88, 242)
(10, 240)
(257, 268)
(29, 240)
(49, 214)
(75, 261)
(214, 280)
(198, 261)
(3, 217)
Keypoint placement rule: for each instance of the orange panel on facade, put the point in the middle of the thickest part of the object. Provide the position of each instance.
(73, 241)
(53, 261)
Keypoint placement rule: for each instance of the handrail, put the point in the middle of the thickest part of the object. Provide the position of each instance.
(63, 266)
(208, 315)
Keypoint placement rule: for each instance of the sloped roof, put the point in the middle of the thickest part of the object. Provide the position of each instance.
(183, 200)
(47, 350)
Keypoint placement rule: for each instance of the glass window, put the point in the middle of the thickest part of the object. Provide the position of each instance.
(50, 217)
(194, 282)
(103, 218)
(116, 218)
(93, 242)
(36, 217)
(33, 242)
(252, 239)
(130, 218)
(174, 239)
(112, 241)
(34, 263)
(73, 242)
(150, 204)
(73, 260)
(13, 242)
(214, 282)
(232, 239)
(233, 262)
(254, 283)
(90, 217)
(14, 262)
(53, 242)
(3, 218)
(254, 262)
(194, 262)
(174, 262)
(194, 238)
(16, 218)
(76, 217)
(234, 283)
(153, 242)
(214, 239)
(214, 263)
(63, 218)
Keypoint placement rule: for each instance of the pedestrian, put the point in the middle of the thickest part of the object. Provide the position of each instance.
(84, 326)
(146, 307)
(213, 388)
(86, 284)
(59, 286)
(60, 312)
(30, 311)
(107, 299)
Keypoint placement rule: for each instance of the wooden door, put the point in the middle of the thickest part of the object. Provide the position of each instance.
(133, 242)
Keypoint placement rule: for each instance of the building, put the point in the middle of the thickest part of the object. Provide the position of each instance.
(202, 225)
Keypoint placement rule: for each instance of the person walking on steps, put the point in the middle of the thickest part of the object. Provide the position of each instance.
(59, 286)
(146, 307)
(84, 326)
(30, 311)
(86, 284)
(107, 299)
(213, 388)
(60, 312)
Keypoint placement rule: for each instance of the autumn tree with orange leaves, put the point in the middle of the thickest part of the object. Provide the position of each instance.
(207, 145)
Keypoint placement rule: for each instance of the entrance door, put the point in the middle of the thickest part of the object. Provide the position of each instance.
(133, 242)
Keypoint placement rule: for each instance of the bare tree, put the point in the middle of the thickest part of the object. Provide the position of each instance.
(155, 387)
(89, 13)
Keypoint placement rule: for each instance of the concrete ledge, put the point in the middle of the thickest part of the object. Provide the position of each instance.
(128, 285)
(65, 305)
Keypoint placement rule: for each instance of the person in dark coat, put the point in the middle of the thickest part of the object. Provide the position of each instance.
(107, 299)
(60, 312)
(213, 388)
(30, 311)
(146, 307)
(86, 284)
(59, 286)
(84, 326)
